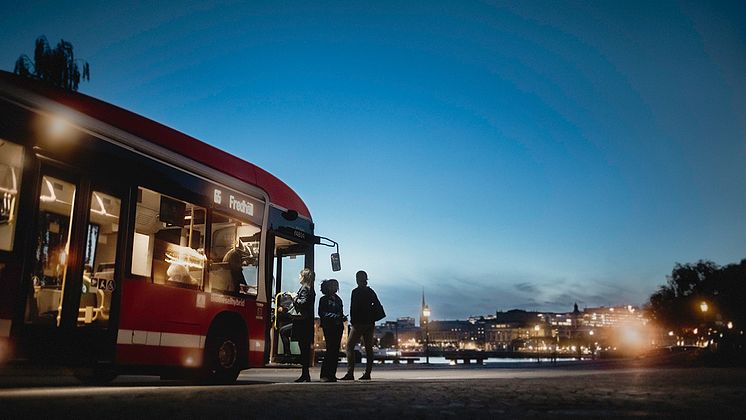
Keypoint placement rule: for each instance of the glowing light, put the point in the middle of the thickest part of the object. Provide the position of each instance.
(730, 325)
(591, 332)
(536, 328)
(704, 307)
(52, 196)
(14, 181)
(695, 331)
(185, 256)
(102, 208)
(57, 127)
(670, 333)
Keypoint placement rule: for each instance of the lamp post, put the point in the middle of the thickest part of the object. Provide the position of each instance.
(704, 307)
(426, 318)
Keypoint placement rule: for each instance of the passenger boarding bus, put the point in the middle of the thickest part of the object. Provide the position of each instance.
(127, 246)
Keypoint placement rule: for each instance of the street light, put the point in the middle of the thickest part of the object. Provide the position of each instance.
(704, 307)
(426, 318)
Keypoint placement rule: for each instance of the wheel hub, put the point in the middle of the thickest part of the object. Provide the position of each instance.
(227, 354)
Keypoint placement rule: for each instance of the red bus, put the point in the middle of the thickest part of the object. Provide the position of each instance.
(127, 246)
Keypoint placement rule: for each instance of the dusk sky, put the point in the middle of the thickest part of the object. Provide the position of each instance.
(497, 154)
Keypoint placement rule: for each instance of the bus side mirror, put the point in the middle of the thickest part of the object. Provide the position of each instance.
(336, 264)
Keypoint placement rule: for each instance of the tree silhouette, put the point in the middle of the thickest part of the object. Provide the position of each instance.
(56, 66)
(676, 304)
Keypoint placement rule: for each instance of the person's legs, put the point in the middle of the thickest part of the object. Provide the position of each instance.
(285, 331)
(352, 340)
(367, 335)
(326, 363)
(336, 340)
(305, 359)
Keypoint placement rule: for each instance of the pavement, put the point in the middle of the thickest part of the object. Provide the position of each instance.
(587, 390)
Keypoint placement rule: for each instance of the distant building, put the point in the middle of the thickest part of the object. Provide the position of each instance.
(578, 331)
(403, 333)
(514, 329)
(451, 334)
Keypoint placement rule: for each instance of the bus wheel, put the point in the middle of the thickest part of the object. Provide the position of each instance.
(97, 375)
(222, 355)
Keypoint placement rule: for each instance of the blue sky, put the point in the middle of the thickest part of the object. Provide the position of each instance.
(499, 154)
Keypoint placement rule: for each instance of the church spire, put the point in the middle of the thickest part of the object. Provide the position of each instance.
(423, 309)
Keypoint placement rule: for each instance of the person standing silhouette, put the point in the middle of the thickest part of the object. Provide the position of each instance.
(302, 330)
(363, 325)
(332, 322)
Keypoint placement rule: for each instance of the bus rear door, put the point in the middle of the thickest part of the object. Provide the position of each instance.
(71, 276)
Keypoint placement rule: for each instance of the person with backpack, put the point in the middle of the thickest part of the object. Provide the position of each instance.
(365, 310)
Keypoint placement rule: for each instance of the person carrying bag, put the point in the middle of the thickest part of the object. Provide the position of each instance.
(365, 310)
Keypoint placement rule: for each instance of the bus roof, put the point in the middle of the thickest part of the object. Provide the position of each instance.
(280, 194)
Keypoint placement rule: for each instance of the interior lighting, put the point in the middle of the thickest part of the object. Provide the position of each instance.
(52, 197)
(102, 208)
(14, 182)
(185, 256)
(730, 325)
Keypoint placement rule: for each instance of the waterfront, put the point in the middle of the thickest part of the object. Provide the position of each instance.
(437, 360)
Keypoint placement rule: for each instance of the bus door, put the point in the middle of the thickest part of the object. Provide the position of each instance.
(71, 275)
(290, 258)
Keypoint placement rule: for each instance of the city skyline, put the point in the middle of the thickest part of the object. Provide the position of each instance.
(526, 155)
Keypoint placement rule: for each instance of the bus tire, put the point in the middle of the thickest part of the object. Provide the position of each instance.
(97, 375)
(223, 352)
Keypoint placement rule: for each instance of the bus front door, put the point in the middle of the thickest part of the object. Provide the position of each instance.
(71, 276)
(290, 259)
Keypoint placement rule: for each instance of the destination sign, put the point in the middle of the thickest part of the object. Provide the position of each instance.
(237, 204)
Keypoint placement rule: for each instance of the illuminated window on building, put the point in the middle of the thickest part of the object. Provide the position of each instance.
(169, 240)
(11, 162)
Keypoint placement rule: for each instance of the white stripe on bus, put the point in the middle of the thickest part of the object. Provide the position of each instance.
(161, 339)
(4, 328)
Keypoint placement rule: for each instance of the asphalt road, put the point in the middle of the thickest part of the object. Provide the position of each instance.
(590, 390)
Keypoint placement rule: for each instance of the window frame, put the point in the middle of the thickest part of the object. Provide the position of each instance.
(210, 232)
(133, 230)
(22, 176)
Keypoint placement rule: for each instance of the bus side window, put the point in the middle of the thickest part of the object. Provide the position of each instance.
(234, 255)
(169, 240)
(11, 162)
